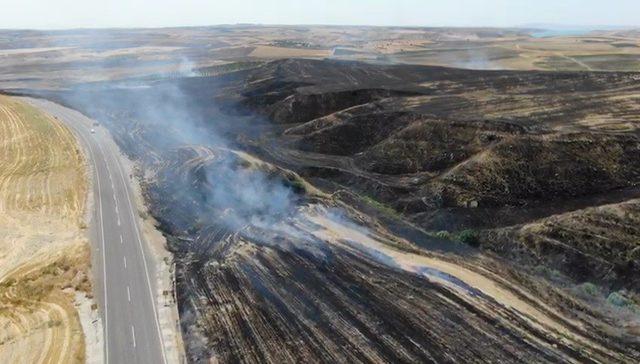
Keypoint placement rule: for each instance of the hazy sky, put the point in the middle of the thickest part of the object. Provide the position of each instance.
(150, 13)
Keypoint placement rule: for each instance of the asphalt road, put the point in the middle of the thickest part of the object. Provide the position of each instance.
(122, 264)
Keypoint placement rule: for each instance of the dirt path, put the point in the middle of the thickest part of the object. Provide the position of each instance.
(44, 255)
(478, 286)
(578, 62)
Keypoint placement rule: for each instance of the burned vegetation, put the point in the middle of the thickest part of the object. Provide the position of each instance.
(497, 152)
(318, 210)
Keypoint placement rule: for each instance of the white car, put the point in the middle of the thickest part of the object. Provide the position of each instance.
(93, 131)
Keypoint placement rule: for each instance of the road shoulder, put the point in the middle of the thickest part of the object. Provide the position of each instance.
(161, 261)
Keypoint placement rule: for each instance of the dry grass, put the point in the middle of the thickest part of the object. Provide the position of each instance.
(282, 52)
(44, 256)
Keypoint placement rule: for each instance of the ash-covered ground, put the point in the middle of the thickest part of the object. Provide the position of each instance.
(327, 211)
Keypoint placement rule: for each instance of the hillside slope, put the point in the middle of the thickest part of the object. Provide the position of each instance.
(452, 150)
(324, 226)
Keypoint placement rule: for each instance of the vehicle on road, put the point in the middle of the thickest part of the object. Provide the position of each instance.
(130, 330)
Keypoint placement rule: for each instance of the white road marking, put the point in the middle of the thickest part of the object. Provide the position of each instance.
(115, 200)
(102, 240)
(144, 261)
(137, 229)
(121, 241)
(104, 272)
(125, 262)
(104, 261)
(128, 294)
(133, 335)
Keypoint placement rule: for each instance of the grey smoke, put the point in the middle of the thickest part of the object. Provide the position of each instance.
(152, 119)
(474, 59)
(249, 195)
(186, 68)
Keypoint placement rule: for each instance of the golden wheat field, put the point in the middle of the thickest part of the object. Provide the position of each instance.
(44, 255)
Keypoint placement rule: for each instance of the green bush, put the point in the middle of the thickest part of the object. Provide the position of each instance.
(617, 299)
(469, 237)
(549, 273)
(387, 210)
(297, 185)
(589, 288)
(444, 235)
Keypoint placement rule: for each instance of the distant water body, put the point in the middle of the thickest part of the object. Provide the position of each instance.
(560, 33)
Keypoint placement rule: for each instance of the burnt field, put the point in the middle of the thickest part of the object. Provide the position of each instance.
(326, 211)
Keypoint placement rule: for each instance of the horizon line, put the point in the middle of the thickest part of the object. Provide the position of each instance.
(528, 26)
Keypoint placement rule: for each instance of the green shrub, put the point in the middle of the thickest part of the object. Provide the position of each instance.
(589, 288)
(549, 273)
(387, 210)
(297, 185)
(444, 235)
(469, 237)
(617, 299)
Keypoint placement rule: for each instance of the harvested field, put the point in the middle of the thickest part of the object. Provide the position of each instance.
(279, 52)
(44, 256)
(28, 58)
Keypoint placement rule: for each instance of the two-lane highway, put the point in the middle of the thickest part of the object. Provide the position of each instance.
(122, 265)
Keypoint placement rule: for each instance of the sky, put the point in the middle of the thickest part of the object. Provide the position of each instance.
(60, 14)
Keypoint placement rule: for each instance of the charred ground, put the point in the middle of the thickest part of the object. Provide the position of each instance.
(538, 169)
(452, 150)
